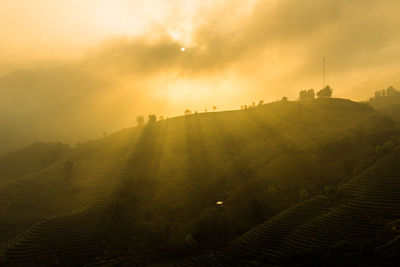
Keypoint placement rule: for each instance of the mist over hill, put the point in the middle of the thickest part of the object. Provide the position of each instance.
(47, 105)
(95, 73)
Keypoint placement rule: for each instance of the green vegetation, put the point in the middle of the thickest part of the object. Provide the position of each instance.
(387, 101)
(279, 171)
(352, 219)
(306, 95)
(326, 92)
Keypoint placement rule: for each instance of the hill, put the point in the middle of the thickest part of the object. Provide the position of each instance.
(30, 159)
(32, 103)
(356, 225)
(387, 101)
(355, 218)
(149, 193)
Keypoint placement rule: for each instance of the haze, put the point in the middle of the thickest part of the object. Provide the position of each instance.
(74, 70)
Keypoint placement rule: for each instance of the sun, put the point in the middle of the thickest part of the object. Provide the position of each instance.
(183, 49)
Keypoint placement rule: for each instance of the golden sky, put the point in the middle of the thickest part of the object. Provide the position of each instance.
(107, 61)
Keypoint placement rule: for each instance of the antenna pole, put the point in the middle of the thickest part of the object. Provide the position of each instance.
(323, 70)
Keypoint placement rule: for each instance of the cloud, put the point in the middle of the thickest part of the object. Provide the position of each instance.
(234, 55)
(353, 35)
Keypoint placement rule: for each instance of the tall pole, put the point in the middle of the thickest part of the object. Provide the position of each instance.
(323, 70)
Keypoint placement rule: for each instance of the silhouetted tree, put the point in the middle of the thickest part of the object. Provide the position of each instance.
(253, 104)
(326, 92)
(152, 118)
(378, 94)
(195, 112)
(214, 108)
(284, 99)
(390, 91)
(205, 110)
(311, 94)
(261, 102)
(305, 95)
(188, 112)
(69, 167)
(140, 120)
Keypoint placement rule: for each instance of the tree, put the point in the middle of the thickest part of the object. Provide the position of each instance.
(326, 92)
(390, 91)
(253, 104)
(214, 108)
(188, 112)
(284, 99)
(161, 118)
(152, 119)
(140, 120)
(261, 102)
(205, 110)
(305, 95)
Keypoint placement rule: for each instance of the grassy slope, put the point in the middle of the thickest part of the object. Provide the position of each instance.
(257, 161)
(355, 226)
(355, 220)
(171, 173)
(30, 159)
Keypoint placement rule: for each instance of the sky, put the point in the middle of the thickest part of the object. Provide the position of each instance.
(92, 66)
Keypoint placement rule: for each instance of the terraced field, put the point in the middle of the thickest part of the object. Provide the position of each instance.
(67, 239)
(363, 211)
(354, 215)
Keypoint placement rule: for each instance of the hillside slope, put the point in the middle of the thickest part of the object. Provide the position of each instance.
(159, 183)
(357, 225)
(30, 159)
(355, 217)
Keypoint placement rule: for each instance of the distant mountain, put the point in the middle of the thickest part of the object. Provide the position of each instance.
(47, 105)
(149, 194)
